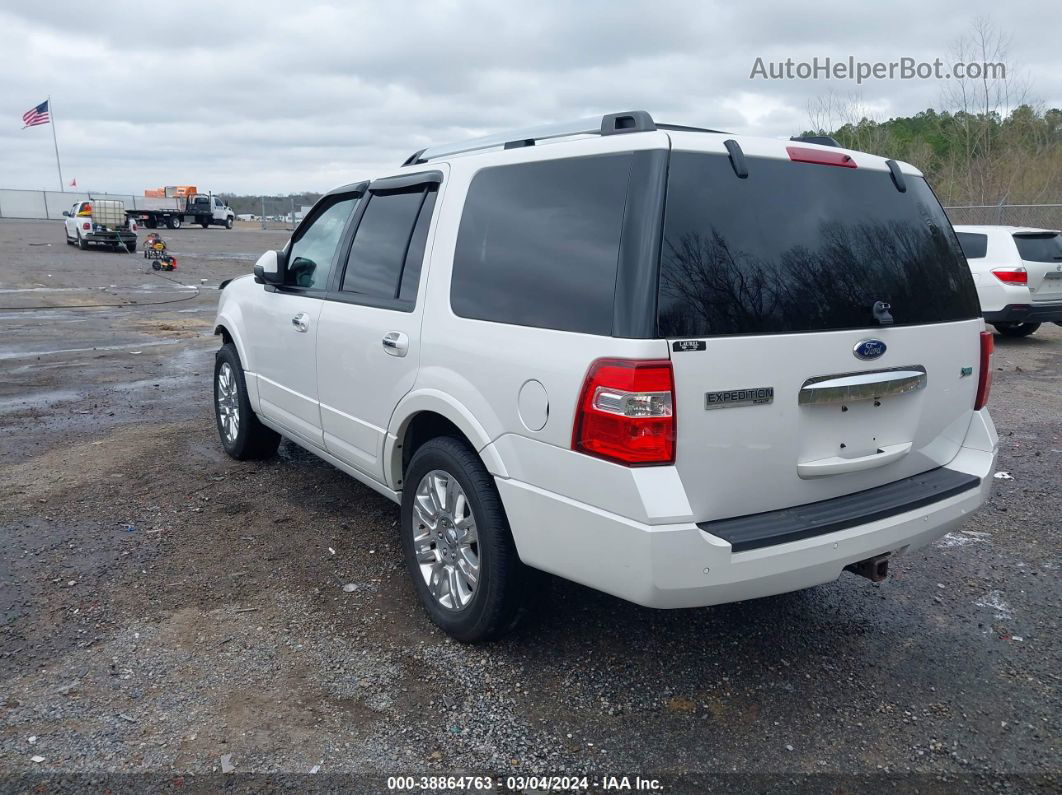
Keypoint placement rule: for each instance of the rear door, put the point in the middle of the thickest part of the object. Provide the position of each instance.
(789, 388)
(369, 340)
(1041, 254)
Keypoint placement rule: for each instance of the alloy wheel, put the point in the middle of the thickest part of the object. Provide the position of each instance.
(445, 541)
(228, 403)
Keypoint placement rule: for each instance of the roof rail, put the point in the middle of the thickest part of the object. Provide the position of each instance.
(609, 124)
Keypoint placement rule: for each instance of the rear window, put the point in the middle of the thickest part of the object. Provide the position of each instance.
(801, 247)
(1039, 246)
(538, 244)
(974, 246)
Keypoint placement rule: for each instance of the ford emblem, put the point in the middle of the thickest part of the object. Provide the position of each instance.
(869, 349)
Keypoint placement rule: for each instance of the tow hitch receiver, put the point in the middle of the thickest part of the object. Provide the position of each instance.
(874, 569)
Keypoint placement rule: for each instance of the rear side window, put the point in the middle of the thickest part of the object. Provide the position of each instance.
(386, 245)
(1039, 246)
(974, 246)
(538, 244)
(801, 247)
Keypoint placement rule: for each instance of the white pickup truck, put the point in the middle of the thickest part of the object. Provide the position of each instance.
(171, 211)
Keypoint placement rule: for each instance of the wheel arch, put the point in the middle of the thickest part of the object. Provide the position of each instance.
(425, 415)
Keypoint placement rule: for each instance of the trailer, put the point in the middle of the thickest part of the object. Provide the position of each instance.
(176, 205)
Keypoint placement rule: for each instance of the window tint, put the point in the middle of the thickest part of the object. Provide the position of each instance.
(974, 246)
(374, 266)
(538, 244)
(1040, 246)
(415, 256)
(802, 247)
(310, 257)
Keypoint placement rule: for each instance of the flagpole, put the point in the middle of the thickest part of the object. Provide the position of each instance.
(51, 115)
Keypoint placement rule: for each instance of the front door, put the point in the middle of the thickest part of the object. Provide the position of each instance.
(369, 351)
(282, 328)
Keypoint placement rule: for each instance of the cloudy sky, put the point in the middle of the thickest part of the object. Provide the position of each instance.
(286, 96)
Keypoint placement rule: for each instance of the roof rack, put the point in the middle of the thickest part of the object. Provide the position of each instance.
(609, 124)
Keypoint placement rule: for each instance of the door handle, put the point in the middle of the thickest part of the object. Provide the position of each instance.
(301, 322)
(396, 343)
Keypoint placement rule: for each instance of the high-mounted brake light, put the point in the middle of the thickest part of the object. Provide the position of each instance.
(984, 376)
(626, 412)
(1011, 275)
(804, 154)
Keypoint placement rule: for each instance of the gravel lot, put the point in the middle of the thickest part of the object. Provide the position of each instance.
(165, 606)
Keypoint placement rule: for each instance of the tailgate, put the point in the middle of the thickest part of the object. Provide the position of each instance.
(1041, 254)
(823, 324)
(763, 427)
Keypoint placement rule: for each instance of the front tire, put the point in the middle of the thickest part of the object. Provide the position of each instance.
(1016, 329)
(243, 436)
(457, 544)
(175, 222)
(228, 223)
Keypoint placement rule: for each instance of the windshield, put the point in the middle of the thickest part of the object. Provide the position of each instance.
(799, 247)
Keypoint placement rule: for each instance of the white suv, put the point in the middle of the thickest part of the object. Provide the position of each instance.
(1018, 273)
(678, 366)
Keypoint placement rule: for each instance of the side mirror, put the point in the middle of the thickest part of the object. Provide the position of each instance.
(66, 213)
(268, 269)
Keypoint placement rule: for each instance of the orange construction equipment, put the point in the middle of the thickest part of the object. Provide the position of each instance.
(172, 191)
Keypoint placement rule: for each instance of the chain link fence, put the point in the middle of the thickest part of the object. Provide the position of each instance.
(1040, 216)
(49, 204)
(280, 212)
(276, 212)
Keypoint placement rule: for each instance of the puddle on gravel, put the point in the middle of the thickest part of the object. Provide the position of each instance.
(37, 400)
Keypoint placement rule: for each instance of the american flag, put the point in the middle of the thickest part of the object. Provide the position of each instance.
(35, 116)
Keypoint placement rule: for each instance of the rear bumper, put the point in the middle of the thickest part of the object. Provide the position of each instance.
(1027, 313)
(681, 565)
(124, 236)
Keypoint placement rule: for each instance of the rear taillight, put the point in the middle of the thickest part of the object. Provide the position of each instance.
(626, 412)
(87, 225)
(984, 376)
(1012, 275)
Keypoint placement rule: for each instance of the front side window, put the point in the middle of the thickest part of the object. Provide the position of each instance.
(538, 243)
(799, 247)
(310, 257)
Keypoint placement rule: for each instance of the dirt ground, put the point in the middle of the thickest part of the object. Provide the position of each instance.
(166, 607)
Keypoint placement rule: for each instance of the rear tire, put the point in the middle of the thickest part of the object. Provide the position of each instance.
(243, 436)
(82, 243)
(174, 222)
(131, 247)
(1016, 329)
(499, 594)
(204, 224)
(151, 223)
